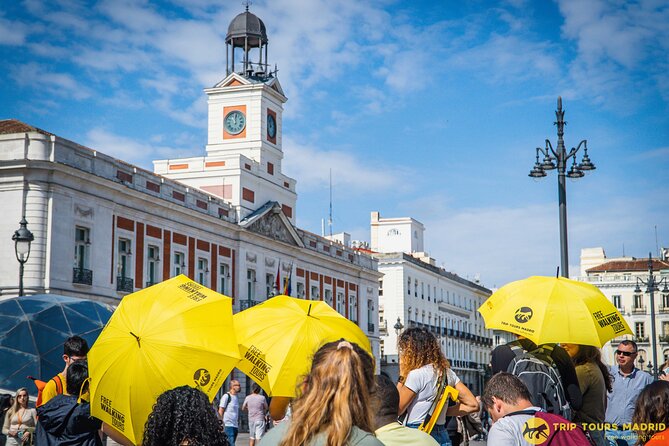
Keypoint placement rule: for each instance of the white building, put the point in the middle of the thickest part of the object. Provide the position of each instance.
(415, 292)
(104, 228)
(617, 279)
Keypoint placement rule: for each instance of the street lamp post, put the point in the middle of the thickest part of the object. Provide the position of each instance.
(576, 171)
(398, 327)
(652, 285)
(22, 239)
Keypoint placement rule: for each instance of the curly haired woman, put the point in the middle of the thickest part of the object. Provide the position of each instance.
(652, 412)
(183, 417)
(422, 366)
(334, 408)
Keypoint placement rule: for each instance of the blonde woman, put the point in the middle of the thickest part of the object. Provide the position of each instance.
(20, 420)
(334, 408)
(422, 366)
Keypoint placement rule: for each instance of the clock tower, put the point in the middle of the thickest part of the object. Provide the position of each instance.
(244, 154)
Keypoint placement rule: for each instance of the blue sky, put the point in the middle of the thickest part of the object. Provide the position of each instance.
(423, 109)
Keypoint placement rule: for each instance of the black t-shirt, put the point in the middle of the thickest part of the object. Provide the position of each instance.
(503, 355)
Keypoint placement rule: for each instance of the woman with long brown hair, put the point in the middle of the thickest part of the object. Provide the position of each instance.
(20, 420)
(652, 411)
(423, 367)
(594, 381)
(334, 407)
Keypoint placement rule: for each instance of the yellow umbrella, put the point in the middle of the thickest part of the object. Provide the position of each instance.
(554, 309)
(174, 333)
(277, 340)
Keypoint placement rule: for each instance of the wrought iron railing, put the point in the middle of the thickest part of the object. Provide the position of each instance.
(125, 284)
(248, 303)
(81, 275)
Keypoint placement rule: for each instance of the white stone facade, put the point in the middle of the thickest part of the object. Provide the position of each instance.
(415, 292)
(617, 279)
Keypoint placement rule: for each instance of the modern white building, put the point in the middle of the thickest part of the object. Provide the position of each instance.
(617, 279)
(416, 292)
(104, 228)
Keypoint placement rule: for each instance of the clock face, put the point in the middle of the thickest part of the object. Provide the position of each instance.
(235, 121)
(271, 126)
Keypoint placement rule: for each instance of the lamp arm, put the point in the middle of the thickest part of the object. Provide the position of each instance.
(549, 146)
(583, 143)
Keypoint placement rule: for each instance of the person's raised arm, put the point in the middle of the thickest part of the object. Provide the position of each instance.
(466, 402)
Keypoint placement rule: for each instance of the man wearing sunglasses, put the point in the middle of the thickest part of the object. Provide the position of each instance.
(628, 382)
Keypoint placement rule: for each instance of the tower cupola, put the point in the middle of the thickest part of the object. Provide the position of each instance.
(247, 36)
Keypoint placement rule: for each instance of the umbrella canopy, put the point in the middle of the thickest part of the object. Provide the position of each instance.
(34, 328)
(278, 338)
(171, 334)
(554, 309)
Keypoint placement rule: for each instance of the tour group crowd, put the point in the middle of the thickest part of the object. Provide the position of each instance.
(537, 395)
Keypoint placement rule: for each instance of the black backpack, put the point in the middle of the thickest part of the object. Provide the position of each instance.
(537, 370)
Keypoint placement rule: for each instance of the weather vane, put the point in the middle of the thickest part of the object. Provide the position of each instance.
(247, 3)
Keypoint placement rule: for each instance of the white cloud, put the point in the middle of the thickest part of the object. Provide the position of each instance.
(12, 32)
(508, 58)
(617, 41)
(140, 153)
(311, 166)
(59, 84)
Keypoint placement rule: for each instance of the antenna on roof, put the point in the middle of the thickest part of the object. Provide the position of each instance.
(657, 246)
(623, 250)
(330, 217)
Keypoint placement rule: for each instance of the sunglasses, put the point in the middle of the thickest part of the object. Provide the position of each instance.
(628, 354)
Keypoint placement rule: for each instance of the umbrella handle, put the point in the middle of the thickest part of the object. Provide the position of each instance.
(136, 337)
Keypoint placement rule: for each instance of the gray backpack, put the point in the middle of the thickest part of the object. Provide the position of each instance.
(538, 371)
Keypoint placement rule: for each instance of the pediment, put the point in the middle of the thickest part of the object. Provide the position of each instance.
(271, 222)
(231, 80)
(276, 86)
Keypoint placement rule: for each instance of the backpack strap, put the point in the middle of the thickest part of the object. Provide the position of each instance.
(522, 412)
(59, 384)
(225, 406)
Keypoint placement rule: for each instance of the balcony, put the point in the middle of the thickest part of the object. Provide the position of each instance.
(664, 339)
(124, 284)
(663, 309)
(639, 310)
(247, 303)
(150, 283)
(641, 339)
(370, 327)
(83, 276)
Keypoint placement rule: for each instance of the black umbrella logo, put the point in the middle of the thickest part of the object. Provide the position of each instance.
(201, 377)
(523, 314)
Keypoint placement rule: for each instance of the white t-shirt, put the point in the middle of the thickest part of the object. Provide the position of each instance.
(423, 382)
(508, 431)
(231, 414)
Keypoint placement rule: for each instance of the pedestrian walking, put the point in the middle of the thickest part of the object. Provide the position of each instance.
(335, 406)
(595, 381)
(228, 410)
(628, 382)
(423, 368)
(256, 405)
